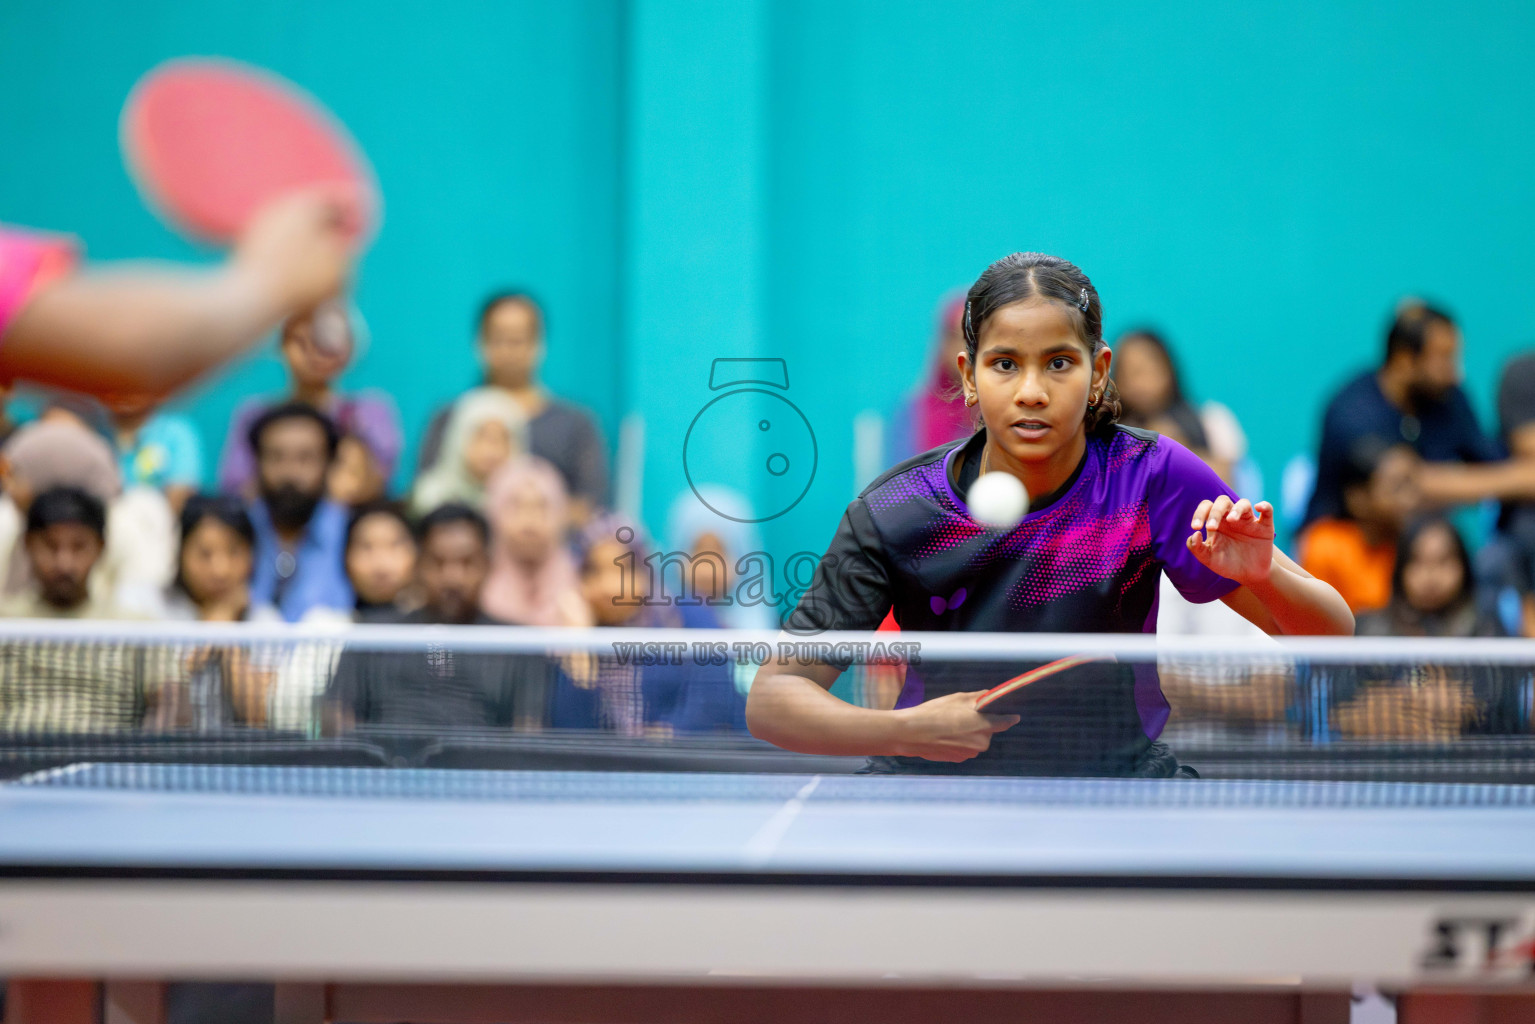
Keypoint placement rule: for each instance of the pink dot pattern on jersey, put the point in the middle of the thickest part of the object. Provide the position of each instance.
(1094, 535)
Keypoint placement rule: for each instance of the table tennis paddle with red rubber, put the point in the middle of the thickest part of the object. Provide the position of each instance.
(996, 700)
(210, 141)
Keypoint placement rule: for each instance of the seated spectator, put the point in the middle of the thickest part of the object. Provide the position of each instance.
(1432, 588)
(716, 542)
(454, 559)
(227, 685)
(510, 330)
(157, 449)
(65, 537)
(533, 579)
(1356, 552)
(436, 687)
(1431, 595)
(487, 427)
(300, 534)
(140, 556)
(313, 366)
(1151, 397)
(610, 693)
(380, 562)
(218, 545)
(1416, 398)
(937, 412)
(65, 687)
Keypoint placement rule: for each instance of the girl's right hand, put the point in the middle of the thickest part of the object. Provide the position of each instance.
(948, 728)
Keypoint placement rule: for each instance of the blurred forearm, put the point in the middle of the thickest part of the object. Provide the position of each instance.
(1452, 483)
(141, 330)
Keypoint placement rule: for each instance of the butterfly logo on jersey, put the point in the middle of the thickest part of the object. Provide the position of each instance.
(939, 605)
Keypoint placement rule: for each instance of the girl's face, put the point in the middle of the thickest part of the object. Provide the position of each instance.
(215, 562)
(603, 582)
(1433, 577)
(488, 447)
(381, 559)
(1144, 379)
(1033, 376)
(526, 524)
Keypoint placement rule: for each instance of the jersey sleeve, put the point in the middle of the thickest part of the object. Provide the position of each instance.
(851, 587)
(28, 261)
(1174, 492)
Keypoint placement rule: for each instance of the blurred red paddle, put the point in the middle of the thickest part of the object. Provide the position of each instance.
(996, 700)
(210, 141)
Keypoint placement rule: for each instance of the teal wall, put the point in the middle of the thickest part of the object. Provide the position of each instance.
(804, 178)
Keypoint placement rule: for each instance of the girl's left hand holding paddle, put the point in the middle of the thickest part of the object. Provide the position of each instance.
(1237, 538)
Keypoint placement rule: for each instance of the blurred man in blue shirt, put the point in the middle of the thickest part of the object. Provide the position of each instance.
(1416, 398)
(300, 536)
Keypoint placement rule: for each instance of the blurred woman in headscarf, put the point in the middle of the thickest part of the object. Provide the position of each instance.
(533, 579)
(716, 541)
(486, 428)
(937, 412)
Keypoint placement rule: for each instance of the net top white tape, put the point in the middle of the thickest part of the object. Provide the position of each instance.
(947, 646)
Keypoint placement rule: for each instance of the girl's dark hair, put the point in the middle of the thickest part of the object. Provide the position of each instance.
(1404, 553)
(1028, 275)
(222, 509)
(1159, 343)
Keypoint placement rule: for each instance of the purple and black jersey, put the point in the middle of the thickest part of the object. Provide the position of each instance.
(1088, 562)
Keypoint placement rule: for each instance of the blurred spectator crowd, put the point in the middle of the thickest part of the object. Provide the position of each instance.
(507, 520)
(506, 523)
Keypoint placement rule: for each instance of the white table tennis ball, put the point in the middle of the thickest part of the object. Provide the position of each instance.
(998, 499)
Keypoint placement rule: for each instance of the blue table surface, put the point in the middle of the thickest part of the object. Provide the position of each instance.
(172, 817)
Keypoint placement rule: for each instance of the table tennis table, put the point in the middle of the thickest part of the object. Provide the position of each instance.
(376, 894)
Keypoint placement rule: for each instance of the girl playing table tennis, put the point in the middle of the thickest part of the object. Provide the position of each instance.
(1111, 509)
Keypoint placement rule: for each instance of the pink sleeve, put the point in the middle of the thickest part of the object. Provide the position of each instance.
(29, 260)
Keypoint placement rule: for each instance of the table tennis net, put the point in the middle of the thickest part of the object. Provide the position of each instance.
(675, 700)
